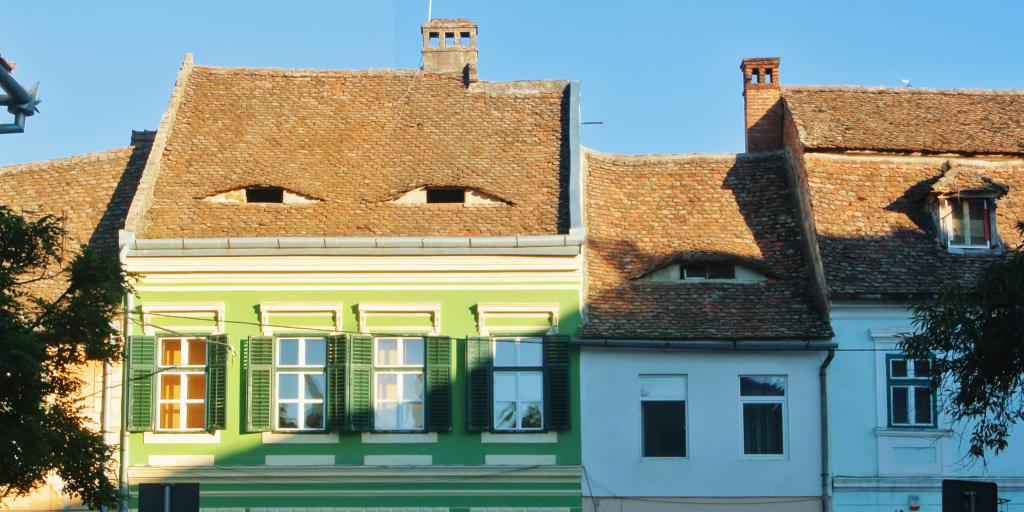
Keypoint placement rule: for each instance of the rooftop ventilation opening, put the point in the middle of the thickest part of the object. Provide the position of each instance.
(264, 195)
(449, 39)
(446, 196)
(464, 40)
(435, 39)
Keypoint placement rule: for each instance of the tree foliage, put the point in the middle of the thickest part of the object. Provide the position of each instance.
(43, 339)
(975, 335)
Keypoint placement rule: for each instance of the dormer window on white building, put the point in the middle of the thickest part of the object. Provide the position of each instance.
(966, 201)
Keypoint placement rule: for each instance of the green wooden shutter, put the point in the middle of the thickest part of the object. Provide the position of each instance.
(478, 382)
(557, 387)
(216, 382)
(259, 376)
(336, 350)
(359, 385)
(438, 384)
(141, 374)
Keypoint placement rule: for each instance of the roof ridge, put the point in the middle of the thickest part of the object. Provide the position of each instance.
(881, 89)
(672, 157)
(146, 188)
(69, 160)
(312, 71)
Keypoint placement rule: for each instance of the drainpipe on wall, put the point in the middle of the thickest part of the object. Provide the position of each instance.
(129, 304)
(826, 496)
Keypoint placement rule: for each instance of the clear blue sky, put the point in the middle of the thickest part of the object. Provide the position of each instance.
(662, 75)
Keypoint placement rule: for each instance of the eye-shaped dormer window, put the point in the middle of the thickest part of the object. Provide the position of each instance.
(449, 195)
(262, 194)
(705, 271)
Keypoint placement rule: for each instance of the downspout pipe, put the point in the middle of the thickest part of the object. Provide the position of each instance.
(129, 304)
(826, 494)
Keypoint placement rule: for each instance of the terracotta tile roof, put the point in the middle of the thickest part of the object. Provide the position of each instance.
(875, 233)
(646, 212)
(958, 179)
(92, 192)
(356, 140)
(908, 119)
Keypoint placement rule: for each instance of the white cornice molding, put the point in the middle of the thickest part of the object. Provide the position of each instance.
(270, 308)
(171, 308)
(484, 311)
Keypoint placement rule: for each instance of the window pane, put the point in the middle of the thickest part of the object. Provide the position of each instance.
(386, 417)
(387, 352)
(197, 386)
(922, 406)
(662, 386)
(288, 352)
(695, 272)
(195, 416)
(412, 386)
(504, 352)
(412, 416)
(922, 368)
(531, 352)
(957, 221)
(504, 386)
(170, 352)
(387, 386)
(977, 211)
(170, 416)
(170, 386)
(314, 415)
(288, 386)
(762, 429)
(412, 351)
(197, 352)
(287, 415)
(531, 412)
(531, 386)
(762, 385)
(314, 385)
(664, 428)
(898, 368)
(721, 271)
(504, 415)
(900, 406)
(316, 352)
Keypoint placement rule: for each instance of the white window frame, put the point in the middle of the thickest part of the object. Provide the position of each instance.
(402, 403)
(686, 411)
(783, 400)
(514, 369)
(949, 213)
(301, 369)
(911, 382)
(182, 371)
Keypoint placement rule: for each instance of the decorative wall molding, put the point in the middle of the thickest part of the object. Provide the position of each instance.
(398, 460)
(367, 309)
(190, 438)
(180, 460)
(298, 438)
(299, 460)
(519, 438)
(492, 311)
(519, 460)
(151, 309)
(297, 309)
(411, 438)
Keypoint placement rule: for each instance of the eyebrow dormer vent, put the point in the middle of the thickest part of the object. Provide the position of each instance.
(262, 194)
(448, 196)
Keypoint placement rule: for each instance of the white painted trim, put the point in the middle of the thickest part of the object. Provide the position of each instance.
(367, 309)
(343, 509)
(397, 438)
(511, 309)
(354, 473)
(317, 288)
(271, 308)
(191, 438)
(466, 265)
(398, 460)
(895, 483)
(151, 308)
(299, 460)
(886, 340)
(519, 460)
(519, 509)
(519, 438)
(928, 433)
(298, 438)
(180, 460)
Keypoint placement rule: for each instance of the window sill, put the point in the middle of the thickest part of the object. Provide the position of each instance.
(519, 437)
(975, 251)
(764, 457)
(181, 437)
(926, 432)
(298, 438)
(399, 437)
(655, 460)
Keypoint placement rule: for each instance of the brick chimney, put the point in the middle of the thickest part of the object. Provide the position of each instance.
(762, 101)
(143, 137)
(450, 46)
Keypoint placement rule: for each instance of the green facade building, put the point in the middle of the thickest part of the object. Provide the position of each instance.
(356, 290)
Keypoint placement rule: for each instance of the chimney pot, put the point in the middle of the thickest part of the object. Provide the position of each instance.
(449, 46)
(143, 137)
(762, 99)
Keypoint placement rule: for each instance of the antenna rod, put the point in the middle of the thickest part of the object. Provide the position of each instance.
(430, 9)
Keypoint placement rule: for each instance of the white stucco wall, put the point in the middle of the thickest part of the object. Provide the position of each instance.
(877, 468)
(715, 465)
